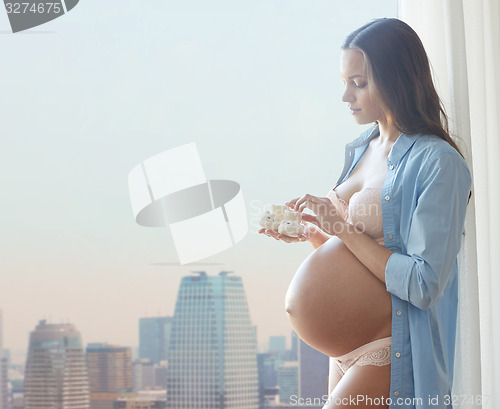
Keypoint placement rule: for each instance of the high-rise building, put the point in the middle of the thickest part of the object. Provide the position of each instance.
(154, 336)
(288, 381)
(212, 361)
(268, 365)
(110, 373)
(266, 371)
(313, 372)
(161, 372)
(56, 373)
(148, 375)
(294, 356)
(144, 374)
(277, 343)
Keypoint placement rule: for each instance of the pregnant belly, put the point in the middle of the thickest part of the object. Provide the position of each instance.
(335, 304)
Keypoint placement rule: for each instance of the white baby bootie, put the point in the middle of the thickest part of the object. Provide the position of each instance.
(291, 225)
(272, 219)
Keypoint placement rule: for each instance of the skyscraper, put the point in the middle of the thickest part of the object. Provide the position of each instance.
(110, 373)
(148, 375)
(212, 360)
(294, 356)
(56, 373)
(288, 380)
(154, 336)
(144, 374)
(313, 372)
(277, 343)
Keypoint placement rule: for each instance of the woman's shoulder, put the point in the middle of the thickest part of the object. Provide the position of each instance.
(428, 147)
(430, 155)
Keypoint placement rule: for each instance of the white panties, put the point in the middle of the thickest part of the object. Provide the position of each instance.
(376, 353)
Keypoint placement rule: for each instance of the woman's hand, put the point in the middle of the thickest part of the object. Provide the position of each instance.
(309, 232)
(327, 216)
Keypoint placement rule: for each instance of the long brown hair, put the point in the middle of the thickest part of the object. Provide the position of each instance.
(398, 66)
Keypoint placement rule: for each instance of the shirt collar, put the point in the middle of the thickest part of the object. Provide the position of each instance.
(364, 138)
(399, 149)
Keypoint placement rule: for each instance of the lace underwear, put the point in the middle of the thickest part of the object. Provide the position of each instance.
(364, 211)
(376, 353)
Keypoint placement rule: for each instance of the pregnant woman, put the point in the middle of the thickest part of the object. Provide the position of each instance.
(379, 293)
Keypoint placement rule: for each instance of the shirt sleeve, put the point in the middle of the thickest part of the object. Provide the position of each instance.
(434, 237)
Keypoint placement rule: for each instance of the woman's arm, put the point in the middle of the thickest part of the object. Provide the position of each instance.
(432, 236)
(330, 221)
(316, 236)
(367, 250)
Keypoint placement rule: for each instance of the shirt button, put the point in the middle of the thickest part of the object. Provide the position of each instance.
(398, 312)
(387, 198)
(398, 354)
(389, 236)
(396, 393)
(391, 167)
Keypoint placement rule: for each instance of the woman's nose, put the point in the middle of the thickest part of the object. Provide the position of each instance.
(347, 96)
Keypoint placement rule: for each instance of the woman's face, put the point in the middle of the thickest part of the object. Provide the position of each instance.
(361, 105)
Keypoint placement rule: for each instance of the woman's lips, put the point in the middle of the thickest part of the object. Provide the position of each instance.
(354, 111)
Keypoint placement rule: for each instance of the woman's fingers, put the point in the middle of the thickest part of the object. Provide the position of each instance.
(319, 205)
(268, 232)
(271, 233)
(311, 202)
(302, 237)
(302, 202)
(310, 218)
(314, 203)
(275, 235)
(287, 239)
(291, 203)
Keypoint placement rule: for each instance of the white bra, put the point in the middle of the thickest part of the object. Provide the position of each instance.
(364, 211)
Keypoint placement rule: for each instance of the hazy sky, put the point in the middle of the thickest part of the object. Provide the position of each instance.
(86, 97)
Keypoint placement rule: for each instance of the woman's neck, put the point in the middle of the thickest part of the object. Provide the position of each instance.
(388, 132)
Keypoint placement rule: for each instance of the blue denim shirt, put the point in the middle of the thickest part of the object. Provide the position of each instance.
(424, 200)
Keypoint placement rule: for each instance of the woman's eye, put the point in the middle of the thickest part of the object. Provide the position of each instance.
(361, 85)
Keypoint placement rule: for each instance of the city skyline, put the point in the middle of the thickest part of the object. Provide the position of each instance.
(213, 352)
(251, 84)
(262, 346)
(265, 346)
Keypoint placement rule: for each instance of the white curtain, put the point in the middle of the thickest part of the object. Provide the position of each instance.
(462, 38)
